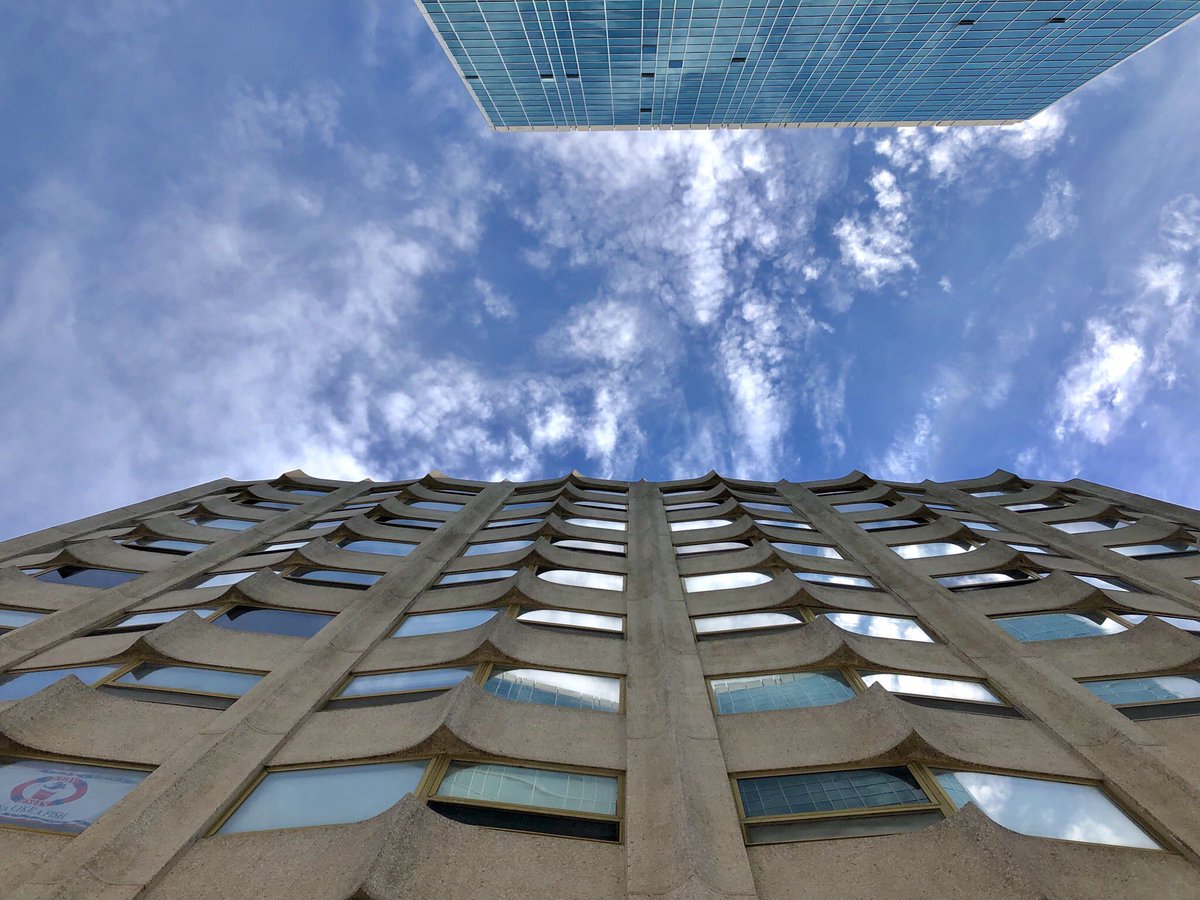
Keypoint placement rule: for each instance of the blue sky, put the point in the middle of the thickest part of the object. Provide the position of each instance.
(240, 240)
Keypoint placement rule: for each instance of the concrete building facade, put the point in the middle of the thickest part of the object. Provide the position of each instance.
(616, 64)
(577, 688)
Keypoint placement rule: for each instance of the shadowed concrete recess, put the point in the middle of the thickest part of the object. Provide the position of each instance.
(711, 688)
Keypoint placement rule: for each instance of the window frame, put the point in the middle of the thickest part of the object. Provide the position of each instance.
(108, 681)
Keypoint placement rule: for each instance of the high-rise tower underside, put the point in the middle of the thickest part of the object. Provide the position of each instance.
(588, 64)
(582, 688)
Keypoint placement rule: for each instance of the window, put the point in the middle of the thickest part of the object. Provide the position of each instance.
(496, 547)
(223, 579)
(1030, 507)
(697, 524)
(563, 618)
(429, 524)
(66, 797)
(894, 627)
(1042, 808)
(475, 577)
(596, 523)
(528, 505)
(859, 507)
(993, 493)
(724, 581)
(548, 801)
(1105, 584)
(279, 547)
(551, 688)
(983, 579)
(1157, 551)
(811, 806)
(12, 619)
(339, 578)
(369, 504)
(1189, 625)
(383, 548)
(436, 504)
(513, 523)
(766, 507)
(891, 524)
(944, 693)
(1150, 696)
(310, 492)
(269, 504)
(601, 581)
(147, 620)
(740, 622)
(217, 522)
(164, 545)
(81, 576)
(783, 523)
(261, 620)
(1030, 548)
(438, 623)
(716, 547)
(324, 525)
(19, 685)
(854, 581)
(1058, 626)
(187, 685)
(599, 504)
(398, 687)
(696, 504)
(782, 690)
(329, 795)
(1084, 526)
(590, 546)
(933, 548)
(979, 526)
(820, 550)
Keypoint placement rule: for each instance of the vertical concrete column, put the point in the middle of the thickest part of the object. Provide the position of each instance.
(18, 646)
(1161, 508)
(138, 839)
(48, 537)
(1146, 577)
(1119, 749)
(683, 838)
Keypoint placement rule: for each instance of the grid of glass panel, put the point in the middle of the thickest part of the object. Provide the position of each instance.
(1148, 689)
(1058, 626)
(606, 63)
(809, 792)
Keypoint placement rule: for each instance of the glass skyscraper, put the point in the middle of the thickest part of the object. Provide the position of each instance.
(588, 64)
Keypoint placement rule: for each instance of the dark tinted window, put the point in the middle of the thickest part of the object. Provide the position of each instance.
(273, 621)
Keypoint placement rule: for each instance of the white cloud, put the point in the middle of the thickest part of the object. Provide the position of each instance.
(495, 303)
(878, 247)
(1102, 387)
(1056, 216)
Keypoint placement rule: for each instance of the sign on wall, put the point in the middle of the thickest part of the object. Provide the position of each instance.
(59, 796)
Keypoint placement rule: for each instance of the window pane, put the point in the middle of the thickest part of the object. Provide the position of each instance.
(550, 688)
(337, 577)
(783, 523)
(273, 621)
(191, 678)
(1150, 689)
(840, 827)
(697, 524)
(596, 523)
(496, 547)
(895, 627)
(698, 504)
(777, 795)
(386, 548)
(598, 504)
(231, 524)
(81, 577)
(711, 548)
(887, 524)
(577, 578)
(1054, 809)
(59, 796)
(224, 578)
(477, 577)
(925, 686)
(859, 507)
(767, 507)
(982, 579)
(1175, 548)
(1105, 584)
(525, 786)
(438, 623)
(166, 544)
(327, 796)
(1088, 525)
(808, 549)
(22, 684)
(436, 504)
(840, 580)
(723, 581)
(1030, 548)
(528, 505)
(746, 622)
(150, 619)
(15, 618)
(591, 546)
(783, 690)
(980, 526)
(1058, 626)
(569, 619)
(933, 548)
(397, 682)
(412, 523)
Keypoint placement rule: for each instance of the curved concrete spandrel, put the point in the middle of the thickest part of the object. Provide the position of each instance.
(1151, 646)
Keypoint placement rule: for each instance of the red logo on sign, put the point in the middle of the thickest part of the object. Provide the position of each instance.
(49, 790)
